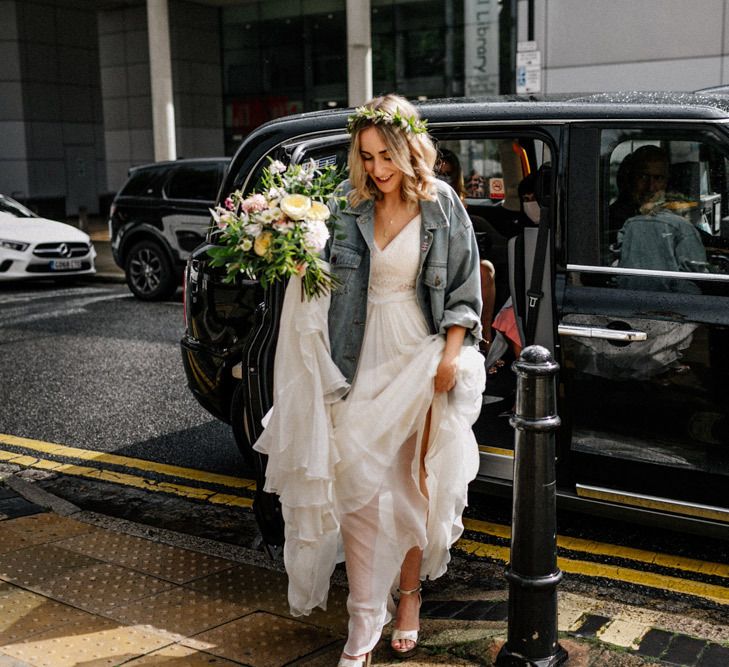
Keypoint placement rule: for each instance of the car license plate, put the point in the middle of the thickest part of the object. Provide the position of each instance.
(65, 264)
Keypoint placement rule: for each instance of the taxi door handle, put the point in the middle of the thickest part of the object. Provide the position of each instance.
(625, 335)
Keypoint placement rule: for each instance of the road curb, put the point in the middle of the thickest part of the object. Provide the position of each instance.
(38, 495)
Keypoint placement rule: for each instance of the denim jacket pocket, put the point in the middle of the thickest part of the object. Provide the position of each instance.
(435, 277)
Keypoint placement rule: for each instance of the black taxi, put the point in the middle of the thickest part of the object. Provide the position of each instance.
(633, 193)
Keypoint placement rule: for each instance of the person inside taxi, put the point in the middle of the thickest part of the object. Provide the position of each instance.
(448, 169)
(642, 177)
(663, 238)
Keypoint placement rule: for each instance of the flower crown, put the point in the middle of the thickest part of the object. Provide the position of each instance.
(364, 116)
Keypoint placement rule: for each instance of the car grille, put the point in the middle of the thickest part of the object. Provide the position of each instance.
(60, 250)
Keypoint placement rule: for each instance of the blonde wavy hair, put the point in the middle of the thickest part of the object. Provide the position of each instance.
(413, 154)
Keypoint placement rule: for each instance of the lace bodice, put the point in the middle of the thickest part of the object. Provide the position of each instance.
(393, 271)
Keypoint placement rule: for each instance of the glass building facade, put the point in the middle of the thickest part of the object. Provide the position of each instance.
(290, 56)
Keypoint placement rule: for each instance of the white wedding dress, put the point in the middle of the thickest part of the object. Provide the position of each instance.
(348, 471)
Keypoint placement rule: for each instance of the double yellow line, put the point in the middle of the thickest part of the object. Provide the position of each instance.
(624, 573)
(126, 479)
(499, 552)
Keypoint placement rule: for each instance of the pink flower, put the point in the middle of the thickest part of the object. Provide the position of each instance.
(254, 203)
(223, 220)
(228, 203)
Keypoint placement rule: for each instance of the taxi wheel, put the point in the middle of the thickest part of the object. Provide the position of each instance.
(149, 272)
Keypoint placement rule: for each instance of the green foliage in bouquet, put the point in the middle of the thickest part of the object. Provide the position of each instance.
(279, 232)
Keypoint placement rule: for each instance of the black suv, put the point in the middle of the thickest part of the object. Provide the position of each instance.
(643, 349)
(158, 217)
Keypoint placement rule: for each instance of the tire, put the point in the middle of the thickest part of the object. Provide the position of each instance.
(237, 423)
(149, 272)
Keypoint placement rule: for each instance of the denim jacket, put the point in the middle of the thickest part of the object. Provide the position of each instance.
(448, 284)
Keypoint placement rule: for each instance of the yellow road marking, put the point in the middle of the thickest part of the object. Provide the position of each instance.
(495, 552)
(136, 464)
(206, 495)
(614, 550)
(712, 592)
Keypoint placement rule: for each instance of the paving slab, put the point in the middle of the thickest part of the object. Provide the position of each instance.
(91, 642)
(158, 560)
(98, 588)
(37, 563)
(24, 614)
(177, 655)
(267, 590)
(179, 612)
(262, 640)
(48, 527)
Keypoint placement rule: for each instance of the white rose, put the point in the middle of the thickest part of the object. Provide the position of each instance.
(318, 211)
(295, 206)
(316, 234)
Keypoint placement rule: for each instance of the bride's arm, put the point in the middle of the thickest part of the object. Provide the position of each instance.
(445, 375)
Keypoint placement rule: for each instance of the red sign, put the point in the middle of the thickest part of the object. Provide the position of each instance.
(496, 188)
(248, 114)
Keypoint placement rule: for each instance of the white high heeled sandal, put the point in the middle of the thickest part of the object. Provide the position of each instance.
(406, 635)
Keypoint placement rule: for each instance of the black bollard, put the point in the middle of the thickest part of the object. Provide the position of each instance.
(532, 572)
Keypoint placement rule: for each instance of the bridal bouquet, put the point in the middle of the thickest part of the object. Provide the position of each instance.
(280, 231)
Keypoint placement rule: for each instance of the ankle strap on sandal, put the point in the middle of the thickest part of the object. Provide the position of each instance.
(412, 591)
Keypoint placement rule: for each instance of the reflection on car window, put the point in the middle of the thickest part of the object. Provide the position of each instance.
(199, 182)
(143, 183)
(665, 207)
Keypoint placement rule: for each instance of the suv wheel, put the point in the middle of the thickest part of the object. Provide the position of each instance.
(149, 272)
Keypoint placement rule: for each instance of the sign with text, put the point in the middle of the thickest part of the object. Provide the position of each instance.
(481, 47)
(528, 70)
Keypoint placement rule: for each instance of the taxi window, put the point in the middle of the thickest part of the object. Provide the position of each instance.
(492, 169)
(664, 208)
(330, 151)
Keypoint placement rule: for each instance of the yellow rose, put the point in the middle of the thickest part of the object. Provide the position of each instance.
(295, 206)
(262, 243)
(318, 211)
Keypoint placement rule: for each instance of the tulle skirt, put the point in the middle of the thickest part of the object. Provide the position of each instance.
(348, 471)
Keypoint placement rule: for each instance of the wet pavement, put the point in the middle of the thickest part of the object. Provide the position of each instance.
(81, 588)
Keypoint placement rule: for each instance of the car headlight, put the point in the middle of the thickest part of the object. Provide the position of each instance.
(13, 245)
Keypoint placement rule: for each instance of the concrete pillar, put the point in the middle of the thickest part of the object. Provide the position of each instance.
(160, 70)
(359, 52)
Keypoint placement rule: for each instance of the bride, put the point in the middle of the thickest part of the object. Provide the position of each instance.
(376, 388)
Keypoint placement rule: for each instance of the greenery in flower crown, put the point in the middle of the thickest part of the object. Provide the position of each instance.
(279, 232)
(364, 116)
